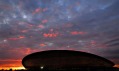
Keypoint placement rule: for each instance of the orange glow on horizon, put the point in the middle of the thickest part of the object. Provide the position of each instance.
(21, 67)
(11, 64)
(14, 68)
(117, 65)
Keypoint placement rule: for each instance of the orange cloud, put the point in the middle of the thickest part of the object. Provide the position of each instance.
(21, 37)
(50, 35)
(28, 50)
(78, 33)
(93, 42)
(42, 45)
(16, 38)
(117, 65)
(13, 38)
(24, 50)
(38, 10)
(44, 21)
(41, 26)
(24, 31)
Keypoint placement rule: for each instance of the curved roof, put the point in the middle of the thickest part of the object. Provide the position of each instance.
(64, 58)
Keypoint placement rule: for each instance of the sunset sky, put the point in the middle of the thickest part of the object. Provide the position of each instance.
(28, 26)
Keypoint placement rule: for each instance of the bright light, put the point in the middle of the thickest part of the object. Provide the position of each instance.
(18, 68)
(41, 67)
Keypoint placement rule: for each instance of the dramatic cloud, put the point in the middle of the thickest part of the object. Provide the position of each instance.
(28, 26)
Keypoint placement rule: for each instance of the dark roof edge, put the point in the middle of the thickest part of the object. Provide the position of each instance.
(84, 53)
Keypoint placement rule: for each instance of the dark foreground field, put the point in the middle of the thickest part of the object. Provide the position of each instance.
(72, 69)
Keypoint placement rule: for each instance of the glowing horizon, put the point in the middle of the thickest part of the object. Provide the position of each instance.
(28, 26)
(14, 68)
(21, 67)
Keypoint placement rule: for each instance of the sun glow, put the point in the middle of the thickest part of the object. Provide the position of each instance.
(18, 68)
(13, 68)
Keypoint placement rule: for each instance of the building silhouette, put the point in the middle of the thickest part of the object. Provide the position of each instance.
(62, 60)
